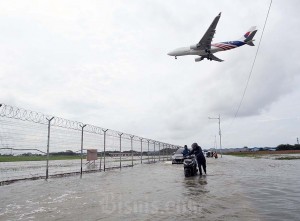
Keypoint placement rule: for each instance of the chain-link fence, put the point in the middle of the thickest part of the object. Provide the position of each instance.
(34, 145)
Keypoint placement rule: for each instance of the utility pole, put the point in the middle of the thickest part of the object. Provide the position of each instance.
(218, 118)
(215, 143)
(297, 140)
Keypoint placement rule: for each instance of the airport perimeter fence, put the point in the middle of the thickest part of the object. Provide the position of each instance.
(34, 146)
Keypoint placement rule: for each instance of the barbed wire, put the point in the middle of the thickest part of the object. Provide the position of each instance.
(9, 111)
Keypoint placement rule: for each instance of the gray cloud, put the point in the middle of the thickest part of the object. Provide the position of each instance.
(105, 64)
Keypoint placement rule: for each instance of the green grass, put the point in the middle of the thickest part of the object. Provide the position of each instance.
(264, 154)
(288, 158)
(243, 154)
(59, 157)
(35, 158)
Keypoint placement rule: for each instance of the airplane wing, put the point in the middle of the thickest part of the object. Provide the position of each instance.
(212, 57)
(205, 42)
(208, 57)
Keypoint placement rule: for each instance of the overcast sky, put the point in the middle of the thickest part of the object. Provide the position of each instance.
(105, 63)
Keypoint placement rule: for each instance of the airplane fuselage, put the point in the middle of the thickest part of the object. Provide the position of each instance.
(216, 47)
(205, 49)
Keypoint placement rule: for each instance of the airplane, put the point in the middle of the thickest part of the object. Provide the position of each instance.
(205, 49)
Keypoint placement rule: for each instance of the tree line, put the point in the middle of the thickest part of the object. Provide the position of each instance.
(288, 147)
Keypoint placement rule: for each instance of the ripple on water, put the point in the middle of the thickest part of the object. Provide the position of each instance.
(234, 189)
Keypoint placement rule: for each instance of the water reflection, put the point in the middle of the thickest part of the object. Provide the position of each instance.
(196, 190)
(235, 189)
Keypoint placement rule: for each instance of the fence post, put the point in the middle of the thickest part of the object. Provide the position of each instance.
(131, 138)
(154, 151)
(48, 144)
(162, 153)
(165, 151)
(141, 150)
(82, 127)
(120, 149)
(148, 150)
(104, 153)
(159, 151)
(100, 161)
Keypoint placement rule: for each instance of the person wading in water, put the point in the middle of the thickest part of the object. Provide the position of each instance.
(201, 161)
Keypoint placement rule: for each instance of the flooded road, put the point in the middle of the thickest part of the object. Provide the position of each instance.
(234, 189)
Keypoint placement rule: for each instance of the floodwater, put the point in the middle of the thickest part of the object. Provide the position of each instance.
(234, 189)
(29, 169)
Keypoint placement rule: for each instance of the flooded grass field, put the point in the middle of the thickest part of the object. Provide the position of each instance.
(234, 189)
(14, 171)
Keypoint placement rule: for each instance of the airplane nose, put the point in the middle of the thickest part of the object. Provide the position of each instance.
(171, 53)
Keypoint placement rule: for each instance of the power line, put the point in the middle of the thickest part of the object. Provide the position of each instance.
(238, 109)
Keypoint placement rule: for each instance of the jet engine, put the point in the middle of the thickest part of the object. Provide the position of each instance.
(194, 47)
(199, 59)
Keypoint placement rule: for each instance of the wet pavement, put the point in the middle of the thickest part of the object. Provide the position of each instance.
(234, 189)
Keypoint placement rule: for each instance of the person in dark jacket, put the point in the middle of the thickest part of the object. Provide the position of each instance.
(186, 151)
(201, 161)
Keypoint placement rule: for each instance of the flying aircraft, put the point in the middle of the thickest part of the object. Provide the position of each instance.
(205, 49)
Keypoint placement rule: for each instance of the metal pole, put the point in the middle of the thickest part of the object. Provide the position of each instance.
(141, 150)
(163, 152)
(215, 144)
(297, 140)
(131, 138)
(220, 135)
(158, 151)
(82, 127)
(154, 152)
(120, 149)
(104, 152)
(100, 161)
(48, 145)
(148, 150)
(166, 152)
(218, 118)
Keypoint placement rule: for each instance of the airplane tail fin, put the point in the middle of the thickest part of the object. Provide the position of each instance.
(248, 36)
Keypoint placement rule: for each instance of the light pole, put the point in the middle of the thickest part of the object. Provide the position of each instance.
(218, 118)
